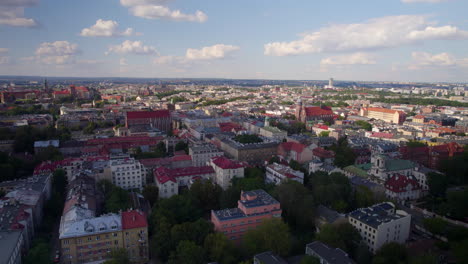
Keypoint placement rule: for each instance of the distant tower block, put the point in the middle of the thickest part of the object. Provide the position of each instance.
(330, 83)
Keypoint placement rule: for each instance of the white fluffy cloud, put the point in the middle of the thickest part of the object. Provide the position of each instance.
(105, 28)
(423, 1)
(58, 52)
(384, 32)
(351, 59)
(12, 13)
(422, 60)
(218, 51)
(132, 47)
(123, 62)
(156, 9)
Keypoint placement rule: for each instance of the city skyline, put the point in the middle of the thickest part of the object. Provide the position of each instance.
(400, 40)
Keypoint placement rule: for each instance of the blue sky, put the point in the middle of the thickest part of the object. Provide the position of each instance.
(386, 40)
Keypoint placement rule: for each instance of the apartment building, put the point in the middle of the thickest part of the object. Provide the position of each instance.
(253, 207)
(127, 172)
(381, 224)
(277, 173)
(225, 170)
(169, 180)
(201, 154)
(92, 239)
(387, 115)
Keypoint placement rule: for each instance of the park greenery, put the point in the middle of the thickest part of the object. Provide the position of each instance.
(247, 138)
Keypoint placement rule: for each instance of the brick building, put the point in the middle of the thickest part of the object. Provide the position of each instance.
(253, 207)
(313, 113)
(160, 119)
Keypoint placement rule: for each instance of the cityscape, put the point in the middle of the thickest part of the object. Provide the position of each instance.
(250, 132)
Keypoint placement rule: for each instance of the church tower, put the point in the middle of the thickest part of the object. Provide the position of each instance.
(299, 110)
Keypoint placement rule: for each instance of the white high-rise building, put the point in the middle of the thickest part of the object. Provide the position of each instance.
(330, 83)
(381, 224)
(127, 173)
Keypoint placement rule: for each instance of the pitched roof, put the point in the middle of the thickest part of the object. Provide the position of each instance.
(330, 255)
(293, 146)
(133, 219)
(225, 163)
(383, 110)
(148, 114)
(399, 183)
(318, 111)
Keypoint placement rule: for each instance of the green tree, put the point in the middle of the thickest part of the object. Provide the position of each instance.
(424, 259)
(309, 260)
(117, 200)
(298, 205)
(181, 145)
(220, 249)
(457, 201)
(59, 182)
(191, 231)
(460, 252)
(344, 155)
(364, 125)
(273, 234)
(437, 184)
(324, 134)
(118, 256)
(246, 138)
(187, 252)
(151, 194)
(342, 236)
(89, 129)
(38, 253)
(274, 159)
(207, 194)
(391, 253)
(435, 225)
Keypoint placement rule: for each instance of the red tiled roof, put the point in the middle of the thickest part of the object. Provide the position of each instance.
(418, 117)
(82, 88)
(148, 114)
(292, 146)
(318, 111)
(399, 183)
(164, 174)
(323, 153)
(133, 219)
(225, 163)
(62, 92)
(182, 157)
(384, 110)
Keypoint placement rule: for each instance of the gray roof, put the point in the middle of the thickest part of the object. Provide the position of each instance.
(269, 258)
(8, 240)
(328, 214)
(376, 214)
(331, 255)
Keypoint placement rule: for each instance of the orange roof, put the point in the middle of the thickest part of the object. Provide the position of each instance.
(383, 110)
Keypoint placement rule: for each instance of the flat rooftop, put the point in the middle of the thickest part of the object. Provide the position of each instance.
(376, 214)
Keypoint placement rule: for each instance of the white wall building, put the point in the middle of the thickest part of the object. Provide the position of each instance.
(127, 173)
(381, 224)
(225, 170)
(201, 154)
(277, 173)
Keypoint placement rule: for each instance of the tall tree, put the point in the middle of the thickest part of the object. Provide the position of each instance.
(391, 253)
(151, 194)
(206, 194)
(220, 249)
(342, 236)
(437, 184)
(187, 252)
(273, 234)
